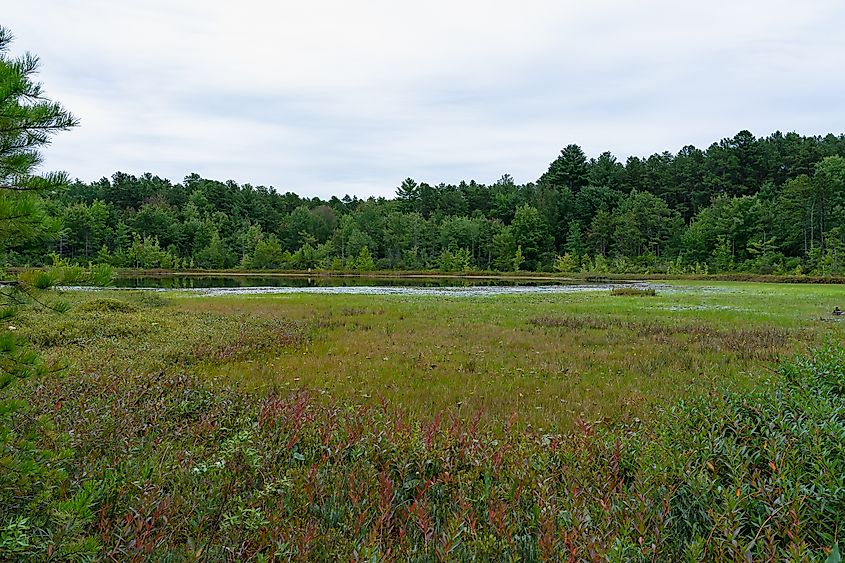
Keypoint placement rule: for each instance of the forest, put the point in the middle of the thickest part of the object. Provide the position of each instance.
(767, 205)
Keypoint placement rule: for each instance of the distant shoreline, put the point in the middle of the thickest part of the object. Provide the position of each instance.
(526, 276)
(480, 275)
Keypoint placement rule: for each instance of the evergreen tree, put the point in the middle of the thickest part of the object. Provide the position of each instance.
(27, 122)
(407, 195)
(606, 172)
(569, 170)
(829, 188)
(746, 189)
(574, 240)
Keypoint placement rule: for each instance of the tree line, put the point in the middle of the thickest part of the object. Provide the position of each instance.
(773, 204)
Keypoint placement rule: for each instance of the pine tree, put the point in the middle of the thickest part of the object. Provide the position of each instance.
(570, 169)
(574, 240)
(27, 122)
(407, 195)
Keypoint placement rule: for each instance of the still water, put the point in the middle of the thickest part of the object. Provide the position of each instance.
(447, 286)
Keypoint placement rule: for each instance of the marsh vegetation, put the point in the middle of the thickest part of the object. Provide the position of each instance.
(695, 422)
(548, 358)
(582, 425)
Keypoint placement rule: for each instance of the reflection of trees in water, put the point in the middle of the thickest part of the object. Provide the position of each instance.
(208, 282)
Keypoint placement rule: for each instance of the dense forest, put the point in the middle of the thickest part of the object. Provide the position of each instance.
(774, 204)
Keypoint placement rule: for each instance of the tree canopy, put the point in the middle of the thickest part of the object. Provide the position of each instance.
(769, 204)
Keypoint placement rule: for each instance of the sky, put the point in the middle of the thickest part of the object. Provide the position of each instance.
(334, 97)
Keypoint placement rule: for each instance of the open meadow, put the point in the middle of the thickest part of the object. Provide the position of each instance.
(545, 359)
(575, 426)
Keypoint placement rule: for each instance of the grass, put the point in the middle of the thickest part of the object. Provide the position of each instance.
(632, 292)
(489, 355)
(273, 428)
(550, 359)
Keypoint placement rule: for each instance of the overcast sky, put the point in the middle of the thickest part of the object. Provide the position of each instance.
(328, 97)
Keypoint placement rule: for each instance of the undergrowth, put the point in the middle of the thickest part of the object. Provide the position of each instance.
(173, 469)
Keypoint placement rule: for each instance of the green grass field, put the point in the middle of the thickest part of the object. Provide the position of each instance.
(580, 427)
(547, 359)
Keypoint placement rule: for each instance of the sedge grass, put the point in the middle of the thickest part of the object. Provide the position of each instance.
(187, 429)
(548, 360)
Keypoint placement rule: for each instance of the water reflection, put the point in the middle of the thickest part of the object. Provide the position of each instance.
(358, 285)
(209, 282)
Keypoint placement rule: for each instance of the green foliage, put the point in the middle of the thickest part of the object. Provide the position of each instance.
(531, 235)
(664, 212)
(569, 170)
(32, 451)
(723, 257)
(268, 254)
(106, 305)
(566, 263)
(27, 121)
(101, 275)
(39, 279)
(305, 258)
(574, 240)
(646, 224)
(458, 261)
(598, 265)
(518, 259)
(364, 261)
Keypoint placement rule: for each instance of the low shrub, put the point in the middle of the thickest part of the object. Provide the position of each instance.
(171, 469)
(107, 305)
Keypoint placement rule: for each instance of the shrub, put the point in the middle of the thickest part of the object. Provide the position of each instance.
(178, 470)
(106, 305)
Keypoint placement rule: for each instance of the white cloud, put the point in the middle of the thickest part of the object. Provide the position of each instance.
(330, 96)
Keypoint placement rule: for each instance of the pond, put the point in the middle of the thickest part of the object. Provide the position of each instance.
(362, 285)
